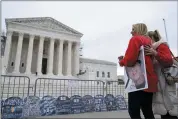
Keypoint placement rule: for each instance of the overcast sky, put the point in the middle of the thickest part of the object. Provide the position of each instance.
(106, 25)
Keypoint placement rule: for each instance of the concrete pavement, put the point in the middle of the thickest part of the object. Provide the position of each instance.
(114, 114)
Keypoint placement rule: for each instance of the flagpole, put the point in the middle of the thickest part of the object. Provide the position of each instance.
(165, 30)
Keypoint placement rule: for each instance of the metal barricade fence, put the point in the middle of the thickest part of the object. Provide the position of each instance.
(68, 87)
(19, 86)
(115, 88)
(14, 86)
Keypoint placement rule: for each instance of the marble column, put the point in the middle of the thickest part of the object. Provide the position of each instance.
(18, 53)
(76, 58)
(29, 55)
(40, 55)
(60, 57)
(7, 49)
(69, 48)
(50, 57)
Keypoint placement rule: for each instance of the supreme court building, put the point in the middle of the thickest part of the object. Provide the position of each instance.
(41, 46)
(44, 48)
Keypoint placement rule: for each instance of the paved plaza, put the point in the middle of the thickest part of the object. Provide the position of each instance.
(114, 114)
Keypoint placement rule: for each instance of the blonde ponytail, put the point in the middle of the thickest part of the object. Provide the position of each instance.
(154, 35)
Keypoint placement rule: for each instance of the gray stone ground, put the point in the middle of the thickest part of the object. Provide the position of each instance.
(114, 114)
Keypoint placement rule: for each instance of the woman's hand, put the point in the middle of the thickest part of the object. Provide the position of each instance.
(120, 58)
(120, 62)
(149, 50)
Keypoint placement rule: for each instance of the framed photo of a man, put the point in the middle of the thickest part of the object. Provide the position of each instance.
(135, 77)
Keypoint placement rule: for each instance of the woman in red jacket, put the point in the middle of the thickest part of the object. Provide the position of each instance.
(162, 103)
(140, 99)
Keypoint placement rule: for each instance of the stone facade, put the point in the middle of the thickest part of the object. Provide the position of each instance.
(44, 47)
(93, 69)
(41, 46)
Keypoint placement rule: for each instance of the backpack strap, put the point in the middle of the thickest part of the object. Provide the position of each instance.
(173, 56)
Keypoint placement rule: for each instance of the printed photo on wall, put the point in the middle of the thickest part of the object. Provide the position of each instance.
(135, 77)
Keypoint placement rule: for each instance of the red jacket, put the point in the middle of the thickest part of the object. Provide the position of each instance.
(164, 55)
(131, 57)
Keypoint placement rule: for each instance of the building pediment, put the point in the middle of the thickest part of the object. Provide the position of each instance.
(45, 22)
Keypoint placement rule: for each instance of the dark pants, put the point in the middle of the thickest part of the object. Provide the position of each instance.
(140, 100)
(168, 116)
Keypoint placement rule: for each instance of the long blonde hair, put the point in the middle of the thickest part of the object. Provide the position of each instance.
(140, 28)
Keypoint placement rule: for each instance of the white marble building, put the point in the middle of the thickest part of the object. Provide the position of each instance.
(45, 47)
(93, 69)
(41, 46)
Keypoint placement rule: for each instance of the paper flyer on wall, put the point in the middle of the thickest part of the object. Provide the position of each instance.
(135, 77)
